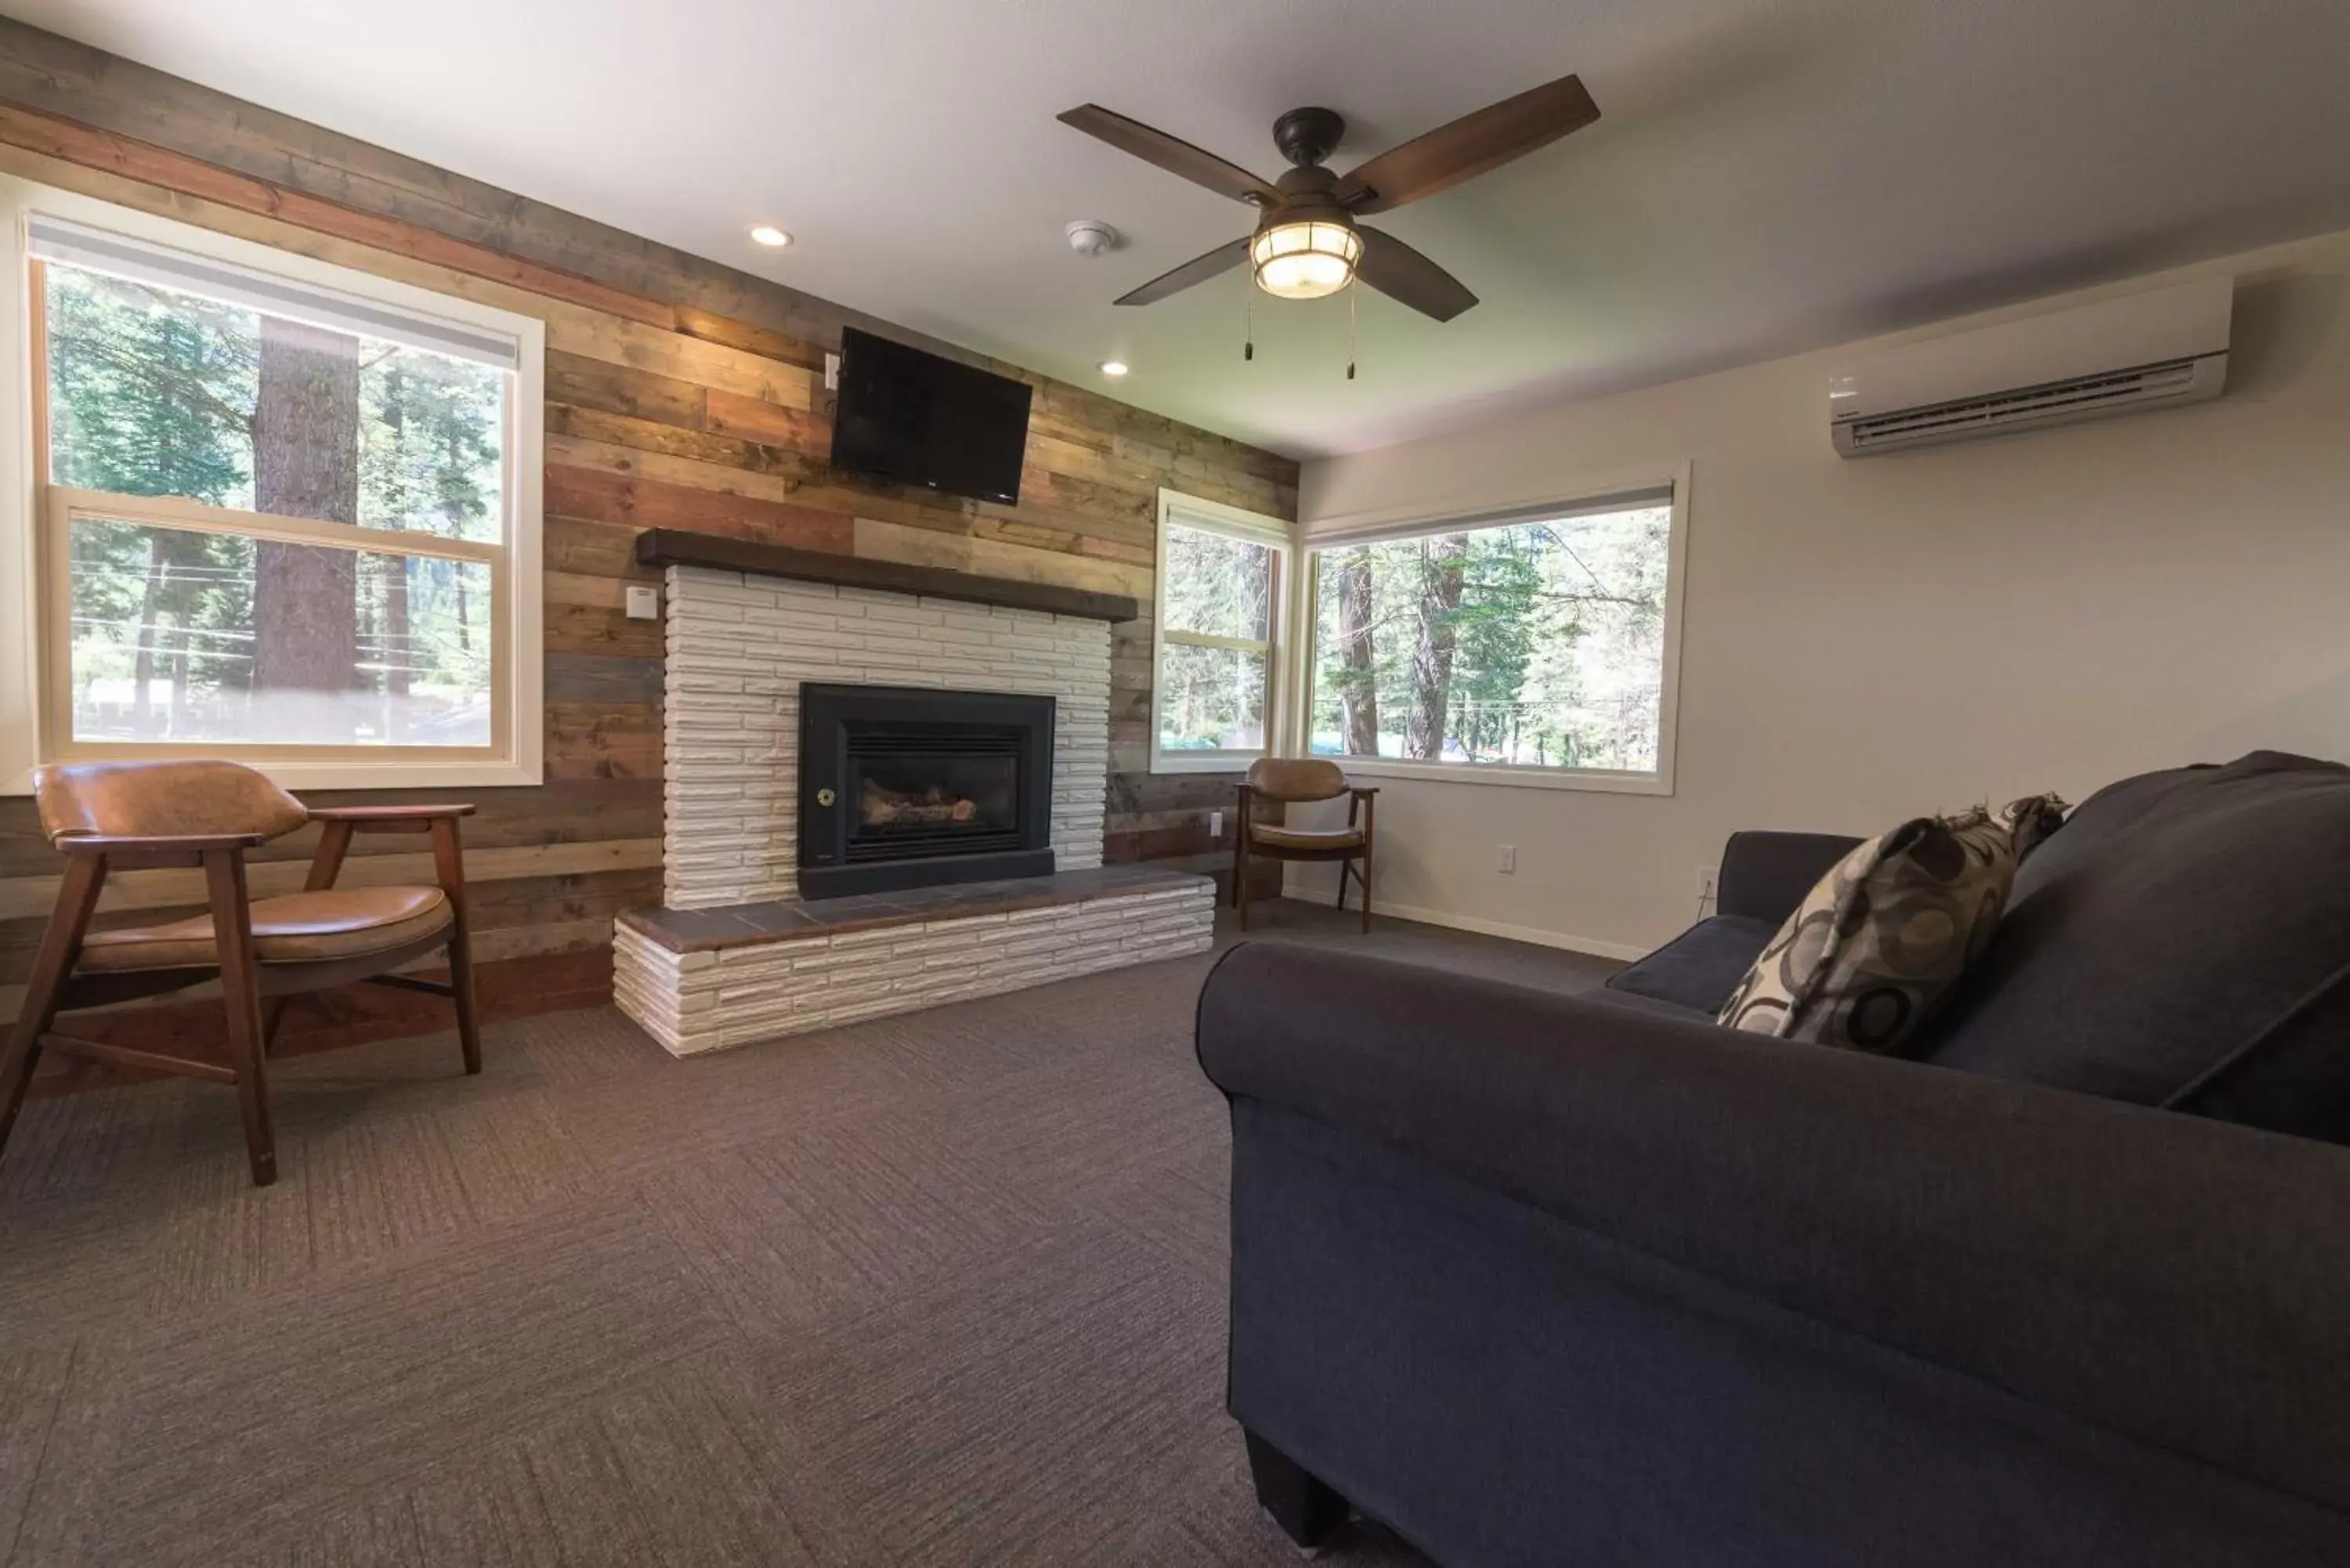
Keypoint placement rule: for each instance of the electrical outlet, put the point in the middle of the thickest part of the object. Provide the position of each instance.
(644, 604)
(1216, 825)
(1708, 884)
(1506, 860)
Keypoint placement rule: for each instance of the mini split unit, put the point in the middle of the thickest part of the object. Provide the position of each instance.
(2153, 351)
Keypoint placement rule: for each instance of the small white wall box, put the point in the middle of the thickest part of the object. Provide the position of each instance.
(644, 604)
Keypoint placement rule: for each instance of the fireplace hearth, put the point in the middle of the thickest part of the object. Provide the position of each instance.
(909, 786)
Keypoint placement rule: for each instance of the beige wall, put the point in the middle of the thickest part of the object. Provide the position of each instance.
(1867, 641)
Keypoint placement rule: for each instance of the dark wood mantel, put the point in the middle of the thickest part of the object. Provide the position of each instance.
(677, 548)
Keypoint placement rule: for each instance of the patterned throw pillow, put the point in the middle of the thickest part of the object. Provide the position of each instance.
(1888, 930)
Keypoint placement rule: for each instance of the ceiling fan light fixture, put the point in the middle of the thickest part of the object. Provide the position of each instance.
(1310, 259)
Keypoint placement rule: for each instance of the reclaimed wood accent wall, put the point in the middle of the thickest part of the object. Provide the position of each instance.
(680, 394)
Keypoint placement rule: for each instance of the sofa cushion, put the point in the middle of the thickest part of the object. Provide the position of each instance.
(1887, 932)
(1697, 969)
(2185, 941)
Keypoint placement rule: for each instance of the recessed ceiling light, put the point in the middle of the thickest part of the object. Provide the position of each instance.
(768, 235)
(1113, 366)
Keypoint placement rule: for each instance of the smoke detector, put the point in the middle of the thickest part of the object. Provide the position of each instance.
(1092, 237)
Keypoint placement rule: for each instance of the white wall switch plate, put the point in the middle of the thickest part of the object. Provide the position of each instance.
(1708, 884)
(832, 372)
(1216, 825)
(1506, 860)
(644, 604)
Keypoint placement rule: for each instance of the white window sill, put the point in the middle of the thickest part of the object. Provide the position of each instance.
(1595, 780)
(1205, 762)
(361, 774)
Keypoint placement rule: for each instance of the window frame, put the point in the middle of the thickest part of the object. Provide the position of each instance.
(1178, 510)
(1592, 498)
(35, 713)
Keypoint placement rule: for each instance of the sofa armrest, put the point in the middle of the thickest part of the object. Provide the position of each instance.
(1765, 875)
(2178, 1280)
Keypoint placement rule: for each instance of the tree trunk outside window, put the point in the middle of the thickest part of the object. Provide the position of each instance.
(306, 463)
(1359, 687)
(1442, 566)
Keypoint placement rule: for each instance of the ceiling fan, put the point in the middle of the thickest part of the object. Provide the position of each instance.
(1308, 243)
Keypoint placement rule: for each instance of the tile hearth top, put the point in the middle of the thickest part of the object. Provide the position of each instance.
(740, 925)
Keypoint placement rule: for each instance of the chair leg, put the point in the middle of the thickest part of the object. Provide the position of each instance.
(1309, 1510)
(1240, 881)
(241, 1001)
(1363, 881)
(272, 1013)
(1344, 867)
(449, 862)
(60, 946)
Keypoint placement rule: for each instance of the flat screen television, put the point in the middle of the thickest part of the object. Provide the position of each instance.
(913, 418)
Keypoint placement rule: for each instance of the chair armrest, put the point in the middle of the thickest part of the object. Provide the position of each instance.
(361, 817)
(157, 844)
(1362, 792)
(1766, 875)
(2161, 1275)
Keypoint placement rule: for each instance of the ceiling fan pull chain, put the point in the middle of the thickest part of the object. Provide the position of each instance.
(1350, 332)
(1248, 325)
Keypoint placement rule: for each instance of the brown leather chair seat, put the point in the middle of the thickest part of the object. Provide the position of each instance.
(296, 928)
(1280, 837)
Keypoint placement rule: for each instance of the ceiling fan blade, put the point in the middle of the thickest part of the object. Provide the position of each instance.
(1405, 275)
(1469, 146)
(1199, 269)
(1196, 164)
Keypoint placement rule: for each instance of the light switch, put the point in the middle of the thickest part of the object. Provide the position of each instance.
(644, 604)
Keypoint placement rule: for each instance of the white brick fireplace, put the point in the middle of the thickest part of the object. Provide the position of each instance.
(736, 954)
(741, 644)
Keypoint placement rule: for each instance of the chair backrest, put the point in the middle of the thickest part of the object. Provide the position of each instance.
(160, 799)
(1296, 778)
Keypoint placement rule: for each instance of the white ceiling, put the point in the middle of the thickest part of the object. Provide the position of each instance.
(1770, 175)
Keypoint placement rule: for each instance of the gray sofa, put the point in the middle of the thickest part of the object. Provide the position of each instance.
(1537, 1278)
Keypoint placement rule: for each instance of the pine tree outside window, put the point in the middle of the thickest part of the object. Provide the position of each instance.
(1538, 645)
(1217, 661)
(279, 510)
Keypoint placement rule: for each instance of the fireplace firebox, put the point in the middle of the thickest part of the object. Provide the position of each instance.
(906, 787)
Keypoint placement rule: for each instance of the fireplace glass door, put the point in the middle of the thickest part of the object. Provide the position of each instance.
(907, 787)
(923, 795)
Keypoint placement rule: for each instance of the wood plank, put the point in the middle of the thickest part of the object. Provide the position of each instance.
(592, 677)
(774, 478)
(756, 419)
(669, 548)
(580, 629)
(581, 382)
(881, 540)
(616, 429)
(656, 504)
(593, 549)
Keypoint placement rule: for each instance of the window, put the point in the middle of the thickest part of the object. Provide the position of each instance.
(280, 511)
(1216, 664)
(1537, 648)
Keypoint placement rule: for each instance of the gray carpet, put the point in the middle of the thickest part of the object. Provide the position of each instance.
(943, 1289)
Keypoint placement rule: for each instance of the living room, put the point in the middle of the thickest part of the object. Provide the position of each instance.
(744, 828)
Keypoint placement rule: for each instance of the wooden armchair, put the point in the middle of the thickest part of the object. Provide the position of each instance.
(117, 817)
(1279, 780)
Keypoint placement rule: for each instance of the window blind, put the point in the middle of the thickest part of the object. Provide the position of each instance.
(58, 240)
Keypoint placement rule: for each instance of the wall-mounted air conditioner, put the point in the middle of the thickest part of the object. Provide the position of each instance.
(2152, 350)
